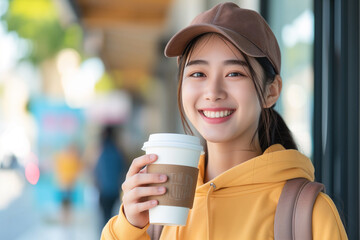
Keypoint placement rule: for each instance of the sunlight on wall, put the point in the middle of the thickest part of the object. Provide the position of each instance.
(78, 79)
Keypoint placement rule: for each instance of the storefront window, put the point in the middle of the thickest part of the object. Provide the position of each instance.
(293, 25)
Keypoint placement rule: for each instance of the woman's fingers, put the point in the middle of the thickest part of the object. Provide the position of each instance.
(142, 179)
(140, 163)
(143, 170)
(144, 206)
(137, 193)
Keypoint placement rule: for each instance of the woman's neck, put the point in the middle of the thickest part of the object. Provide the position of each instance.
(222, 156)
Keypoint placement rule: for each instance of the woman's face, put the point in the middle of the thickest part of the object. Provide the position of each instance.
(218, 94)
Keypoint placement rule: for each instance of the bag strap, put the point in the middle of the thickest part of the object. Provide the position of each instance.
(293, 216)
(304, 209)
(154, 231)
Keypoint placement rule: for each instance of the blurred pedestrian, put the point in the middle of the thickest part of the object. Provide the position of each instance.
(109, 172)
(67, 168)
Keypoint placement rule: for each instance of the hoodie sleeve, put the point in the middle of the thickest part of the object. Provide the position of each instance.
(119, 228)
(326, 220)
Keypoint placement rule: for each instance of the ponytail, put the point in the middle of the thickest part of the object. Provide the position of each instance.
(273, 130)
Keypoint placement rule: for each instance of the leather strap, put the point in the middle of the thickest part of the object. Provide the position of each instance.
(293, 216)
(304, 210)
(284, 211)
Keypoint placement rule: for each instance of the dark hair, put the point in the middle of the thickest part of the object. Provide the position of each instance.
(272, 129)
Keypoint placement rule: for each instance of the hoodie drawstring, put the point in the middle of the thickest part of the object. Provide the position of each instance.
(211, 189)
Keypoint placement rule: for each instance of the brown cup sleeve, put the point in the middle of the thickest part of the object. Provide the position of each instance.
(180, 186)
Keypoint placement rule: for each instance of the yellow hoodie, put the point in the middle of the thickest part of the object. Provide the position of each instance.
(241, 202)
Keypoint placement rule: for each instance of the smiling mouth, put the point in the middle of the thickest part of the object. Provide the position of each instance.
(217, 114)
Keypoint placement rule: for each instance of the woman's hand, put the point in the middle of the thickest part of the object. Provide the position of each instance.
(136, 191)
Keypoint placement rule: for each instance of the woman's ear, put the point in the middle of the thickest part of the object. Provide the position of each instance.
(273, 92)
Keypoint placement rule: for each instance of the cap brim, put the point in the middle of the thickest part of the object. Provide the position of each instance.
(177, 44)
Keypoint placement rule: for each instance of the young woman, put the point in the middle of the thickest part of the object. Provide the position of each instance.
(229, 82)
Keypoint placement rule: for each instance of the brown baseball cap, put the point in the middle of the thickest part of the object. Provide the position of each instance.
(245, 28)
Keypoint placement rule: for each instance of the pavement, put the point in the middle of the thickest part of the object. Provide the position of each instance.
(82, 225)
(28, 218)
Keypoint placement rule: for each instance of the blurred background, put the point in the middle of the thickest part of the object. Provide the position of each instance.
(84, 82)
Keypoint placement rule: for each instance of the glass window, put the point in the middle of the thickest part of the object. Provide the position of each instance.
(293, 25)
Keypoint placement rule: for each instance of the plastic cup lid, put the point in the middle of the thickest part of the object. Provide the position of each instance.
(173, 140)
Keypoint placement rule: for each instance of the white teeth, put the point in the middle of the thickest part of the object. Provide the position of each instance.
(217, 114)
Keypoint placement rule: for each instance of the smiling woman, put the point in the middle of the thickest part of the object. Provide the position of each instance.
(229, 82)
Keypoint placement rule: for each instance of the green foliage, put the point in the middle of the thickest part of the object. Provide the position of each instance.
(38, 22)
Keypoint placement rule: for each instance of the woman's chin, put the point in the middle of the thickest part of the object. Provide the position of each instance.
(216, 137)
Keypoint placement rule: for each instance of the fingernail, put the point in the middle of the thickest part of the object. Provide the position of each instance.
(153, 202)
(162, 178)
(152, 157)
(161, 189)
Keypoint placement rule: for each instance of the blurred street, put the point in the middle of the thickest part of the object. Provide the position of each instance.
(83, 225)
(25, 219)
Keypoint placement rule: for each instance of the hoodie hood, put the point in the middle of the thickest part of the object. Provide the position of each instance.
(276, 164)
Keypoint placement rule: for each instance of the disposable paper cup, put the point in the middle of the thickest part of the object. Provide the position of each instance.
(178, 158)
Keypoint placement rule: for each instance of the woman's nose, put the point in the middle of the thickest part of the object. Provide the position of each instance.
(215, 90)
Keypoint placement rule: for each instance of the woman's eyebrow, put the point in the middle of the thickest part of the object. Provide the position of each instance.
(236, 62)
(197, 62)
(226, 62)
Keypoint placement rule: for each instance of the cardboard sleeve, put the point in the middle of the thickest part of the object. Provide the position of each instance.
(180, 186)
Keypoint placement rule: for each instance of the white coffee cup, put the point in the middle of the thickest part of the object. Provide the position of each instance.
(178, 155)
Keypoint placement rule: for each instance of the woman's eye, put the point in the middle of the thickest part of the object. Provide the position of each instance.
(197, 75)
(235, 74)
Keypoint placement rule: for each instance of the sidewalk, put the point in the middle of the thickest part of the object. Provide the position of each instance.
(27, 218)
(82, 225)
